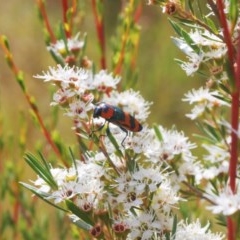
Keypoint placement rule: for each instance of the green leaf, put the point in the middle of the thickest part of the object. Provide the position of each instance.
(199, 9)
(182, 33)
(56, 57)
(224, 88)
(190, 5)
(230, 73)
(221, 220)
(189, 24)
(210, 132)
(41, 169)
(157, 132)
(64, 38)
(73, 160)
(88, 222)
(211, 24)
(4, 39)
(114, 142)
(174, 227)
(233, 11)
(81, 224)
(41, 195)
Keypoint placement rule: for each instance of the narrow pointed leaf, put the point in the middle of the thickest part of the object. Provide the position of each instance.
(41, 195)
(182, 33)
(41, 170)
(157, 132)
(78, 212)
(233, 11)
(113, 141)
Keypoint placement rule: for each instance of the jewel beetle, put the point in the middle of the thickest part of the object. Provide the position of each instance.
(118, 117)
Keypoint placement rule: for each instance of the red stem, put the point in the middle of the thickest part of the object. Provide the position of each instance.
(138, 13)
(46, 133)
(235, 97)
(30, 101)
(100, 33)
(45, 20)
(231, 225)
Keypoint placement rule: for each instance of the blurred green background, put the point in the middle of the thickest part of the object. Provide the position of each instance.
(161, 80)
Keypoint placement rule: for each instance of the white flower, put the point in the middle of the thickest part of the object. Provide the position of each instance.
(217, 160)
(143, 226)
(204, 100)
(72, 45)
(194, 231)
(165, 198)
(193, 65)
(60, 175)
(226, 202)
(132, 188)
(172, 144)
(42, 185)
(148, 178)
(79, 109)
(202, 37)
(102, 81)
(205, 46)
(67, 191)
(81, 180)
(203, 95)
(175, 143)
(196, 112)
(127, 193)
(65, 75)
(142, 141)
(62, 96)
(216, 53)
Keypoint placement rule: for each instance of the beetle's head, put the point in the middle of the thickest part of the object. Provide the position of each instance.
(97, 112)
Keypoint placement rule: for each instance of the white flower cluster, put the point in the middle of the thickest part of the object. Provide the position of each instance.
(207, 53)
(143, 195)
(96, 187)
(140, 189)
(225, 201)
(206, 48)
(62, 49)
(195, 231)
(205, 101)
(77, 88)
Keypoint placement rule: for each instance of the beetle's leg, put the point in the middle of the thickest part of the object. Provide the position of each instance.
(110, 135)
(98, 129)
(126, 131)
